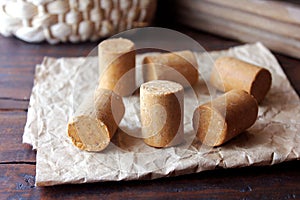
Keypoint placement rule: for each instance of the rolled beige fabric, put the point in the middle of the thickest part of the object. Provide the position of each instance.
(231, 73)
(225, 117)
(116, 65)
(96, 120)
(162, 112)
(180, 67)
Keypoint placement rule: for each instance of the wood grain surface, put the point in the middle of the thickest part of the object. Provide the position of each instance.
(249, 19)
(17, 160)
(286, 11)
(234, 22)
(17, 182)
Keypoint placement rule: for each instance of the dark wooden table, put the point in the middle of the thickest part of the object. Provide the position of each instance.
(17, 160)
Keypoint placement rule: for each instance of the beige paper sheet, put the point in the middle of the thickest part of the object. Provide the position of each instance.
(59, 87)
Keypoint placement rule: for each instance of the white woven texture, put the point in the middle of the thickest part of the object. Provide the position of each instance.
(72, 20)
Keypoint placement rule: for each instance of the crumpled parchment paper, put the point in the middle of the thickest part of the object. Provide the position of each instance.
(59, 87)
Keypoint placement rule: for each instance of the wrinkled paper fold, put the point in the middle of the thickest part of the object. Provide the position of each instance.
(59, 85)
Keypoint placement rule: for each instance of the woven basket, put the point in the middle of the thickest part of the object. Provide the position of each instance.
(72, 20)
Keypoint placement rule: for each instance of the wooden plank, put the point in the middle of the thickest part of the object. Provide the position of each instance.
(278, 10)
(11, 132)
(277, 182)
(240, 32)
(16, 86)
(242, 17)
(17, 182)
(16, 77)
(7, 104)
(228, 184)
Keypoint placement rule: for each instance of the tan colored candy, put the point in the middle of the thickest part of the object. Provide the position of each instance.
(161, 105)
(225, 117)
(231, 73)
(116, 65)
(180, 67)
(96, 120)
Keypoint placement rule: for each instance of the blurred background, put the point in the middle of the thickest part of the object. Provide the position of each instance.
(274, 23)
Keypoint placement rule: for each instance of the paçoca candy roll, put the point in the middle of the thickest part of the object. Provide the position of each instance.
(231, 73)
(180, 67)
(116, 60)
(96, 120)
(161, 104)
(225, 117)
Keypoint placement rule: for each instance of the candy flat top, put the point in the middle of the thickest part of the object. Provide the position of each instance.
(161, 87)
(117, 45)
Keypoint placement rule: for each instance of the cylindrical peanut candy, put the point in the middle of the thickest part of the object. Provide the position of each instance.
(180, 67)
(231, 73)
(116, 65)
(162, 110)
(96, 120)
(225, 117)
